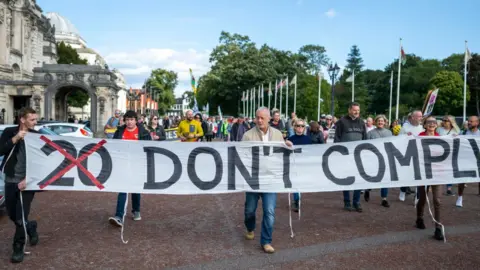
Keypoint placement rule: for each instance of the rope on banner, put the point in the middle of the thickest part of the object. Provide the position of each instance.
(24, 223)
(123, 219)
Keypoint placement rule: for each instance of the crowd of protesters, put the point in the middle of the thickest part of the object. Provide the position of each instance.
(266, 126)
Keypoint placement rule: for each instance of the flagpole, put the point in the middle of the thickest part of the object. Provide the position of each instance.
(259, 97)
(281, 96)
(243, 102)
(398, 81)
(269, 93)
(286, 101)
(319, 94)
(295, 95)
(275, 98)
(263, 96)
(353, 85)
(465, 60)
(391, 91)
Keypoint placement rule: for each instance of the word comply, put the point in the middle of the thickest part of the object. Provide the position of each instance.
(203, 168)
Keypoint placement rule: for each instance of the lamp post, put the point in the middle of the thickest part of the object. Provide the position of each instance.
(333, 72)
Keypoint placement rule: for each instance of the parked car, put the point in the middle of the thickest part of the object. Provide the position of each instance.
(68, 129)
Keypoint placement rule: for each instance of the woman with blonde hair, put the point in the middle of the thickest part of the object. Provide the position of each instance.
(449, 127)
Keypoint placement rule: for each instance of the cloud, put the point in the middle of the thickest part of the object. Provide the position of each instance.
(331, 13)
(137, 65)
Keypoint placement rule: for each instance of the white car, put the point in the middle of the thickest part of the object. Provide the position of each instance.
(68, 129)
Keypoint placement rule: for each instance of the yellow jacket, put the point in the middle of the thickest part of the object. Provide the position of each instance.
(184, 129)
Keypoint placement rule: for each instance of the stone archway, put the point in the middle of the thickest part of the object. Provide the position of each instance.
(55, 101)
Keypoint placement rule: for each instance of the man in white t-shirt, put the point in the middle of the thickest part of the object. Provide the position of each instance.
(412, 127)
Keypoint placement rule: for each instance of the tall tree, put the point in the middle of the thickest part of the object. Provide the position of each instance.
(315, 56)
(354, 60)
(450, 95)
(162, 83)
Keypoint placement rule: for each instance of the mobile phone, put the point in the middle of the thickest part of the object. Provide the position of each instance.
(192, 128)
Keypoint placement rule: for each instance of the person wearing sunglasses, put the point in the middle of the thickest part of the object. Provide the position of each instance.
(156, 131)
(430, 130)
(298, 138)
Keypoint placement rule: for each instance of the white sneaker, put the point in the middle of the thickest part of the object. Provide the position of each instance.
(401, 197)
(137, 216)
(459, 201)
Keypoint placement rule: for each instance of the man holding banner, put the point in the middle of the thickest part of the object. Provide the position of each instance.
(189, 130)
(262, 132)
(132, 130)
(14, 166)
(348, 129)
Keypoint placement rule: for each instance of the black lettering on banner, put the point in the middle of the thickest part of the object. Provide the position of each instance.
(358, 160)
(326, 169)
(287, 183)
(456, 172)
(476, 152)
(427, 154)
(266, 151)
(70, 149)
(411, 155)
(106, 169)
(193, 174)
(177, 168)
(234, 161)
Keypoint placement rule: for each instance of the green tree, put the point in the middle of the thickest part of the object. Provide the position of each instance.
(315, 56)
(354, 60)
(162, 83)
(189, 95)
(473, 81)
(68, 55)
(450, 95)
(454, 62)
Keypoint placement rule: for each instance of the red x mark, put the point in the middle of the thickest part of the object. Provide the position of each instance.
(74, 162)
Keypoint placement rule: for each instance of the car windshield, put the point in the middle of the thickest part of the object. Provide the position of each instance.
(87, 129)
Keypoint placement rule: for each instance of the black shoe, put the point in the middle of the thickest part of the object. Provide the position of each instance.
(438, 234)
(385, 203)
(32, 232)
(450, 193)
(420, 224)
(295, 206)
(358, 207)
(347, 207)
(17, 256)
(409, 191)
(366, 195)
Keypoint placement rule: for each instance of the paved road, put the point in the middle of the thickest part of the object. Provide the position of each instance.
(206, 232)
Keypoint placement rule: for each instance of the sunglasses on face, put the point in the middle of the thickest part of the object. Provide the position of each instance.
(300, 126)
(431, 122)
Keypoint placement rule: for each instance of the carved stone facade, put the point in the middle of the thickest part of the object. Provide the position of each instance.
(50, 85)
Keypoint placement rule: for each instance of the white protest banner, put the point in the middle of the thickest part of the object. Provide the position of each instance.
(66, 163)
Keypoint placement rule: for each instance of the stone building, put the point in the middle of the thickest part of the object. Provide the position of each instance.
(29, 75)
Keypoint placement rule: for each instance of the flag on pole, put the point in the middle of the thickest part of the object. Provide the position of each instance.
(220, 113)
(294, 80)
(404, 56)
(468, 56)
(350, 78)
(192, 81)
(195, 105)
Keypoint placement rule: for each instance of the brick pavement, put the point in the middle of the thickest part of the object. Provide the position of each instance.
(206, 232)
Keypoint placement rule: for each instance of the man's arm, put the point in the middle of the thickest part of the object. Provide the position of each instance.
(107, 125)
(338, 131)
(180, 132)
(199, 131)
(162, 134)
(7, 141)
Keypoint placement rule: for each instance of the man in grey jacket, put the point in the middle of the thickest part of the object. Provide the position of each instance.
(348, 129)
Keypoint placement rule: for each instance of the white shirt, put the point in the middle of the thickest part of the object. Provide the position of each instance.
(370, 128)
(415, 130)
(265, 135)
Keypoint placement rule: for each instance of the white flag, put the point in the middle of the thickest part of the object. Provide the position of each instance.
(294, 80)
(468, 56)
(350, 79)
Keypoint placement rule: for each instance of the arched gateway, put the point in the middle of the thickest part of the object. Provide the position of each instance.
(53, 83)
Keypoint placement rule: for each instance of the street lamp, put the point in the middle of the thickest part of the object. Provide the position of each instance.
(333, 72)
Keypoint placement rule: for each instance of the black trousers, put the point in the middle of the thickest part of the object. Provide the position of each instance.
(14, 210)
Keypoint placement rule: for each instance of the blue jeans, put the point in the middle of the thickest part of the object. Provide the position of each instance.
(296, 196)
(122, 199)
(384, 192)
(356, 197)
(269, 201)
